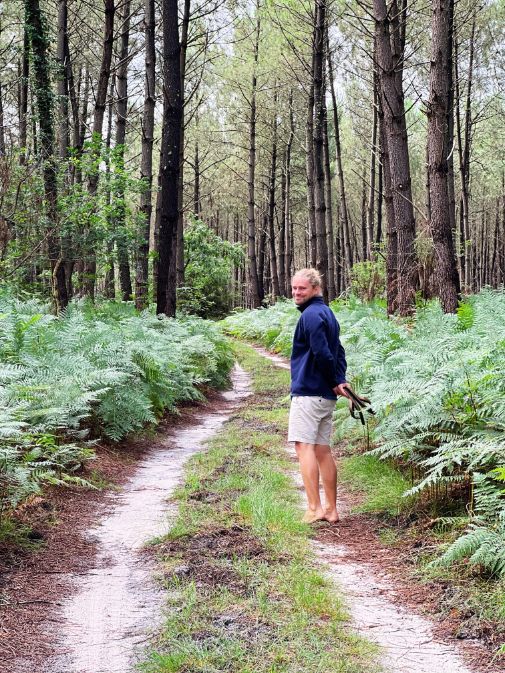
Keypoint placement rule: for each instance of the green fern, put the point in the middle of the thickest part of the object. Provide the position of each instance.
(437, 386)
(94, 371)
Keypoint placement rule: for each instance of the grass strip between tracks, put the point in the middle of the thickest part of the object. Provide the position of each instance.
(244, 594)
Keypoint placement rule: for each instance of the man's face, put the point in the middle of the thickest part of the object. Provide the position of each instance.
(302, 290)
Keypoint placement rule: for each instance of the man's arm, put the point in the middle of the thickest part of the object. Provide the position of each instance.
(332, 371)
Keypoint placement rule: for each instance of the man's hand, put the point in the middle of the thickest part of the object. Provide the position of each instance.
(341, 389)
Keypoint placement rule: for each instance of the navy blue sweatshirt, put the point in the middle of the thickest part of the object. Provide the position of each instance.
(318, 358)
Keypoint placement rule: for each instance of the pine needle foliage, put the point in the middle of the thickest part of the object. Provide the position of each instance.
(438, 388)
(93, 372)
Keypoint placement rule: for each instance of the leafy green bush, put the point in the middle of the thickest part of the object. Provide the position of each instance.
(90, 373)
(368, 279)
(209, 261)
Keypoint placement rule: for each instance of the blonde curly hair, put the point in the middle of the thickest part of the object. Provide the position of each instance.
(312, 275)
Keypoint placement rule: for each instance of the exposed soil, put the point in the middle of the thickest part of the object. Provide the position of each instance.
(35, 582)
(216, 543)
(358, 540)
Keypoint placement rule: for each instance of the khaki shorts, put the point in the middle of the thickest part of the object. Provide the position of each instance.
(310, 420)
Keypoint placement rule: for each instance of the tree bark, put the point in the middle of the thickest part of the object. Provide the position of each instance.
(343, 212)
(446, 274)
(371, 194)
(271, 205)
(318, 144)
(100, 104)
(254, 281)
(2, 128)
(37, 31)
(389, 37)
(180, 223)
(197, 202)
(288, 259)
(109, 288)
(391, 231)
(464, 145)
(23, 98)
(169, 171)
(329, 208)
(309, 166)
(146, 162)
(62, 83)
(120, 196)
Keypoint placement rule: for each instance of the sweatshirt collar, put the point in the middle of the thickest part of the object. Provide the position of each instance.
(317, 299)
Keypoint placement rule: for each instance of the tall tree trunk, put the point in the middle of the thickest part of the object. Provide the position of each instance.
(82, 125)
(73, 94)
(180, 223)
(380, 196)
(109, 288)
(320, 204)
(391, 231)
(450, 129)
(261, 254)
(146, 162)
(23, 97)
(389, 37)
(446, 277)
(2, 127)
(125, 282)
(100, 104)
(169, 172)
(464, 144)
(287, 200)
(364, 231)
(310, 170)
(254, 281)
(36, 27)
(282, 233)
(371, 195)
(62, 82)
(329, 208)
(271, 204)
(197, 200)
(343, 212)
(62, 54)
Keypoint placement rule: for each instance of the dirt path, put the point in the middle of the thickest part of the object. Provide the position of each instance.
(105, 602)
(113, 604)
(384, 608)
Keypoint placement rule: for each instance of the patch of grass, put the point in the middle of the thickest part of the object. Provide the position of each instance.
(244, 594)
(381, 484)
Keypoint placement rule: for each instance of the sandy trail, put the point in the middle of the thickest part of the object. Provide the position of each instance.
(116, 605)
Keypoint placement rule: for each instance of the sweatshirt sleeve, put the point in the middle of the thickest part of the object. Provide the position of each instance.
(333, 371)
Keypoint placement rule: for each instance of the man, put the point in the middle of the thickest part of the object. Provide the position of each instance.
(318, 370)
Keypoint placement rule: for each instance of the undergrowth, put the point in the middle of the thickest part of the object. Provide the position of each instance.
(437, 385)
(382, 484)
(244, 595)
(93, 372)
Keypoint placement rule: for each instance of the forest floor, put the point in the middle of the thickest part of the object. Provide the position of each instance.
(229, 601)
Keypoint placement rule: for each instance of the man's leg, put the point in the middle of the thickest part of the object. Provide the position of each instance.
(310, 474)
(328, 472)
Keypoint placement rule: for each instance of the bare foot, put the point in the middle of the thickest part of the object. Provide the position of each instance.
(331, 516)
(312, 515)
